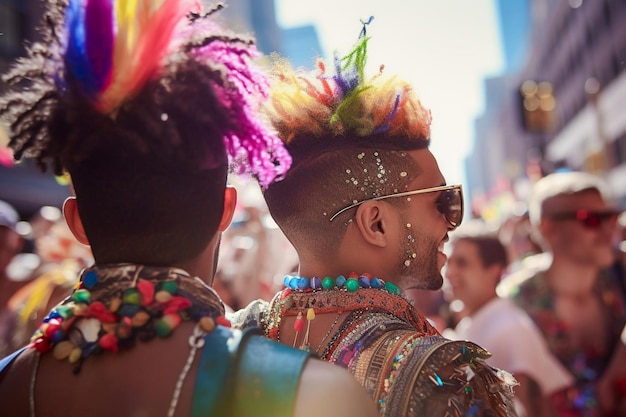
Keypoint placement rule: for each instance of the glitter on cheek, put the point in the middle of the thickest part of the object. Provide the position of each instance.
(410, 252)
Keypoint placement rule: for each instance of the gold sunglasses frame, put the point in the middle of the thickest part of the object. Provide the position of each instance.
(405, 194)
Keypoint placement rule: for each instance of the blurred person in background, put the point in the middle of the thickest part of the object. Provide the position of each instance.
(61, 257)
(146, 104)
(576, 304)
(476, 263)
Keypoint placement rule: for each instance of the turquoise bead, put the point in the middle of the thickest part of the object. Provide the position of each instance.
(328, 283)
(352, 284)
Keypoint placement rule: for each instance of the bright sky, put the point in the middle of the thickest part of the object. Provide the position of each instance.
(443, 47)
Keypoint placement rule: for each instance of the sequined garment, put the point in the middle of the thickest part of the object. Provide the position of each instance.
(586, 365)
(392, 350)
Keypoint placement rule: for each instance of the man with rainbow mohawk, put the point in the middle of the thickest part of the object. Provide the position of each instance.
(143, 103)
(368, 212)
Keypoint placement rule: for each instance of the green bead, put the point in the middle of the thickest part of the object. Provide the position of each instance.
(352, 284)
(65, 311)
(328, 283)
(82, 296)
(131, 296)
(392, 288)
(170, 286)
(162, 328)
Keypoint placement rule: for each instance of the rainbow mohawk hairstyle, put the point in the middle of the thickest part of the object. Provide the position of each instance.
(346, 103)
(107, 52)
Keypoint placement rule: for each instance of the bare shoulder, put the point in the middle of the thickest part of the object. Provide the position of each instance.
(329, 390)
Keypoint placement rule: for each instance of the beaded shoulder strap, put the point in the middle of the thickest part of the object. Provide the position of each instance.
(243, 374)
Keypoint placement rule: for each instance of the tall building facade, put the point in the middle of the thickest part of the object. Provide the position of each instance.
(562, 107)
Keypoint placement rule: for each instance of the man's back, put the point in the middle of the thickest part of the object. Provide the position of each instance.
(144, 380)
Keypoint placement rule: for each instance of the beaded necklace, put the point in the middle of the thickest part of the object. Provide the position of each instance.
(113, 306)
(356, 294)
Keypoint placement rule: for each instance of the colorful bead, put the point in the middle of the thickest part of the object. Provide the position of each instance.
(175, 304)
(352, 284)
(169, 286)
(125, 328)
(109, 341)
(392, 288)
(163, 296)
(131, 296)
(316, 283)
(90, 278)
(375, 283)
(207, 324)
(63, 349)
(293, 282)
(140, 319)
(298, 325)
(43, 345)
(223, 321)
(64, 311)
(115, 304)
(146, 289)
(302, 284)
(364, 282)
(82, 296)
(340, 281)
(328, 283)
(51, 327)
(75, 355)
(98, 310)
(166, 324)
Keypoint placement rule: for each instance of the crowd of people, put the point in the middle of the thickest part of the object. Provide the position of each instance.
(344, 283)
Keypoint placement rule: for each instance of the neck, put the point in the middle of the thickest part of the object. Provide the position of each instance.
(571, 279)
(314, 267)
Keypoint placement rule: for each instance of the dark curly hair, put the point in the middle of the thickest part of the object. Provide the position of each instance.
(150, 175)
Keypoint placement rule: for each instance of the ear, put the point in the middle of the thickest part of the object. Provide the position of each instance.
(230, 202)
(72, 218)
(373, 223)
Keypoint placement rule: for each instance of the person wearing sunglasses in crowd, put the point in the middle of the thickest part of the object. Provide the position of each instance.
(143, 103)
(368, 211)
(577, 306)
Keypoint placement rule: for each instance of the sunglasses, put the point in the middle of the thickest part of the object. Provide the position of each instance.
(588, 219)
(449, 203)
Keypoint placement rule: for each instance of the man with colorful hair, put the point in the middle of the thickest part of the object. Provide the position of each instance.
(368, 212)
(143, 103)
